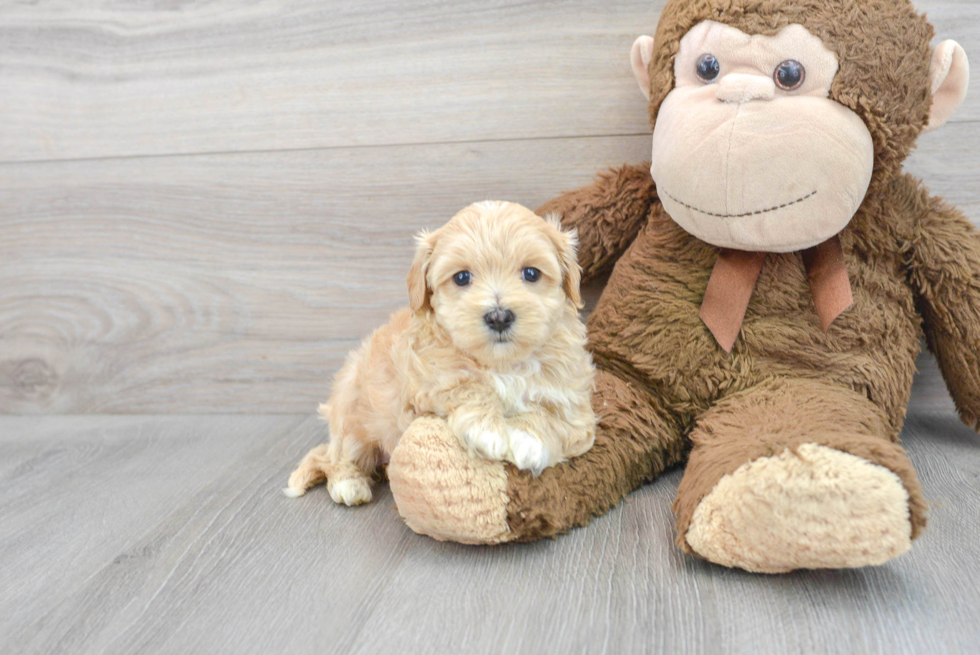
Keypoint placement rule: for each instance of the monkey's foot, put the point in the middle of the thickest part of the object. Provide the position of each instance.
(817, 508)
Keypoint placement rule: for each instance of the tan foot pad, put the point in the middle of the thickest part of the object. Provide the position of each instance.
(443, 492)
(821, 509)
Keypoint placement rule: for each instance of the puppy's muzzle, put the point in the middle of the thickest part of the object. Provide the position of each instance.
(499, 319)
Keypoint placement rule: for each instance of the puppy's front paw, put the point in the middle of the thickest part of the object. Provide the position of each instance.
(480, 433)
(528, 452)
(350, 491)
(487, 443)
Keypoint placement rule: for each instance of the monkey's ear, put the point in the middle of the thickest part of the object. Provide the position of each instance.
(640, 57)
(566, 243)
(418, 289)
(950, 75)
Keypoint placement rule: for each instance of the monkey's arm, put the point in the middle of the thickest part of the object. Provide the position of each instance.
(608, 214)
(945, 273)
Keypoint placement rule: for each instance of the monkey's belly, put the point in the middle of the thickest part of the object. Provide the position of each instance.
(646, 326)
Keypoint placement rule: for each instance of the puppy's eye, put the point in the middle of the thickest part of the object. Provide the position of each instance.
(530, 274)
(462, 278)
(789, 75)
(708, 68)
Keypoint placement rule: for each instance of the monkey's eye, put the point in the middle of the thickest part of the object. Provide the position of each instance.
(708, 68)
(530, 274)
(789, 75)
(462, 278)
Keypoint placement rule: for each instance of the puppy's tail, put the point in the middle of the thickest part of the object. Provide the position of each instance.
(312, 470)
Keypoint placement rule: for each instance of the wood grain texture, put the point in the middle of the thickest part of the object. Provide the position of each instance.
(231, 283)
(101, 78)
(149, 281)
(170, 535)
(237, 283)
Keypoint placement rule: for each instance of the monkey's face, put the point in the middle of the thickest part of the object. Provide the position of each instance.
(749, 152)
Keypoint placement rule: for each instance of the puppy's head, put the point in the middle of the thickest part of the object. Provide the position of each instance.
(498, 278)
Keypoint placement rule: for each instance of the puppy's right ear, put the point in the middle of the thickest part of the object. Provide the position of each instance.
(418, 289)
(566, 243)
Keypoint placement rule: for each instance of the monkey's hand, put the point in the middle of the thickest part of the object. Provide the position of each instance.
(607, 214)
(945, 274)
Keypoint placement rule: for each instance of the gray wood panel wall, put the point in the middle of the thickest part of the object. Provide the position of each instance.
(204, 205)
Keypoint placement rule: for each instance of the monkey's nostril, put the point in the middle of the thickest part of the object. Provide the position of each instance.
(499, 319)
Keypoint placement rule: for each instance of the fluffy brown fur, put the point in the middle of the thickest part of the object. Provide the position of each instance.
(519, 394)
(665, 390)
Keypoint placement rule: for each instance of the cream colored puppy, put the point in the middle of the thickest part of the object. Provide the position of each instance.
(492, 342)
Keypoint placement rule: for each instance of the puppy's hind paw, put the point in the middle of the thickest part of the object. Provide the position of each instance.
(289, 492)
(529, 453)
(350, 491)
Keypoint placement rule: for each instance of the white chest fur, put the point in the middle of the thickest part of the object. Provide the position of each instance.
(529, 384)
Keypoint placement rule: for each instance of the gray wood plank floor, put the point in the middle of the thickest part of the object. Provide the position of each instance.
(170, 535)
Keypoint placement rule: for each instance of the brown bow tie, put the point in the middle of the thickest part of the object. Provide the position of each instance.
(734, 276)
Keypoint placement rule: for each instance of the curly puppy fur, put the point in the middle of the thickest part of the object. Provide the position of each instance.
(519, 394)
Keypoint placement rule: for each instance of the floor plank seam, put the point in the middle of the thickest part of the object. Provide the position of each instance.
(365, 146)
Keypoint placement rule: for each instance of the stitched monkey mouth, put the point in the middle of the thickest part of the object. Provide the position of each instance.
(743, 215)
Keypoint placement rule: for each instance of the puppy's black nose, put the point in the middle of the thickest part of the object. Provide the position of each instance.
(499, 319)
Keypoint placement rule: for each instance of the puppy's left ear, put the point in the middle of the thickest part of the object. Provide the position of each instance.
(566, 243)
(419, 292)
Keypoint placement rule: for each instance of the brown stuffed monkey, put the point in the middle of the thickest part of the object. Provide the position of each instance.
(773, 272)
